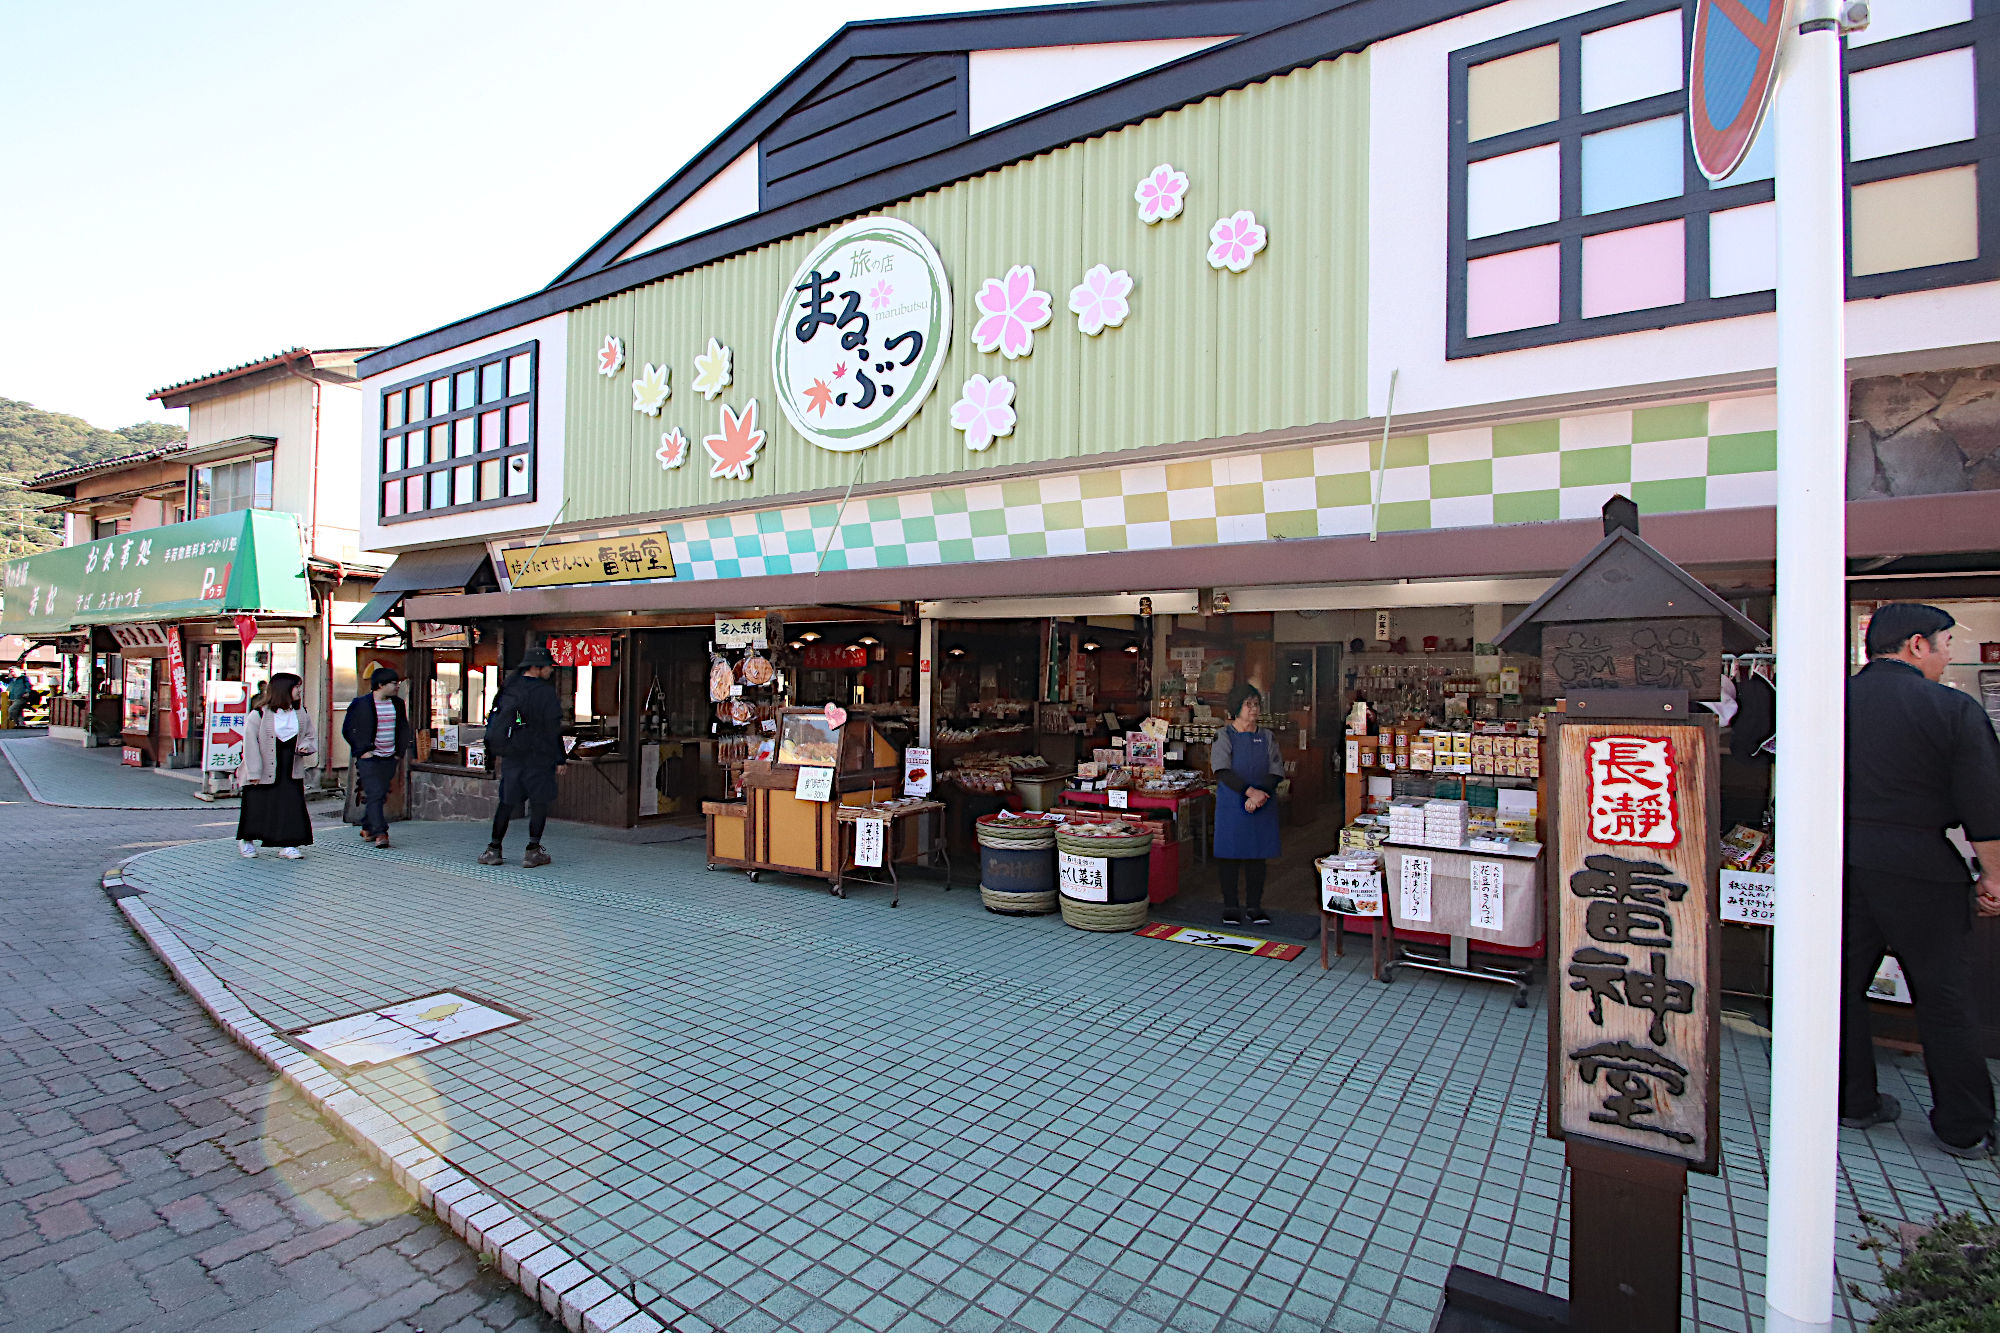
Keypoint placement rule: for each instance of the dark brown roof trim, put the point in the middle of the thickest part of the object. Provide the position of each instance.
(1301, 34)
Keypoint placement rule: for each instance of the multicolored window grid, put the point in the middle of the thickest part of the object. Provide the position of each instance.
(460, 438)
(1576, 208)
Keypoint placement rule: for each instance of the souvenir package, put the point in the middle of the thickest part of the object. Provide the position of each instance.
(1741, 847)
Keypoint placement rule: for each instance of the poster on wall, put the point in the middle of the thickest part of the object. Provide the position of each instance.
(138, 695)
(177, 687)
(861, 335)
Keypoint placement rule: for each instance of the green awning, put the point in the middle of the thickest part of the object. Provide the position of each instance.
(249, 562)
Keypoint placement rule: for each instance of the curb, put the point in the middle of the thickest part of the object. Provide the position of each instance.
(583, 1300)
(28, 784)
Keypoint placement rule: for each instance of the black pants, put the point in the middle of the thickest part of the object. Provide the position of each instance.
(1227, 869)
(520, 786)
(375, 776)
(1928, 926)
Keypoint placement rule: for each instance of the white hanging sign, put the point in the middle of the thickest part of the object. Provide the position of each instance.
(861, 335)
(917, 770)
(1489, 896)
(1415, 904)
(743, 633)
(1121, 799)
(1085, 878)
(814, 784)
(1350, 892)
(868, 843)
(1749, 898)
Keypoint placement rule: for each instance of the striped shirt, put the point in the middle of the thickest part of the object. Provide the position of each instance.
(385, 729)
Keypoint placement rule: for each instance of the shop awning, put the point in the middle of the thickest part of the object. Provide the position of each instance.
(446, 569)
(250, 562)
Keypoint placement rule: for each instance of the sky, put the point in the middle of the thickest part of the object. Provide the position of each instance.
(185, 188)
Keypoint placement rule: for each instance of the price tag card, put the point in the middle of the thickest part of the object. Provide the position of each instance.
(1087, 878)
(1120, 798)
(868, 843)
(1350, 892)
(1415, 903)
(1489, 897)
(917, 771)
(1749, 898)
(815, 784)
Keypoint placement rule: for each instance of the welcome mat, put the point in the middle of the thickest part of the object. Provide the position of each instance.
(1215, 939)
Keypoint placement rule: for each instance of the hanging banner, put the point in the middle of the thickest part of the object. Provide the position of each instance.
(177, 685)
(575, 650)
(861, 334)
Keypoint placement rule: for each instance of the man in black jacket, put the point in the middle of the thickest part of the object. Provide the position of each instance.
(377, 731)
(1921, 758)
(525, 734)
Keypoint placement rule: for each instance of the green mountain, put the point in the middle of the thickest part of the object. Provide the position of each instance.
(33, 442)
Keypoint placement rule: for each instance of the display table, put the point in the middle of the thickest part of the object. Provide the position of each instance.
(903, 842)
(1432, 924)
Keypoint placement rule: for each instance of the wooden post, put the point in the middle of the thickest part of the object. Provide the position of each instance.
(1627, 1203)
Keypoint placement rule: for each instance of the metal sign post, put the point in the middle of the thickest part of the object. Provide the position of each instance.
(1811, 642)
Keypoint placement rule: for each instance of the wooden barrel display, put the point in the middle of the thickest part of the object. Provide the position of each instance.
(1017, 864)
(1101, 876)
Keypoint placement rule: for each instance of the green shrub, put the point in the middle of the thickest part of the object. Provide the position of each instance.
(1948, 1281)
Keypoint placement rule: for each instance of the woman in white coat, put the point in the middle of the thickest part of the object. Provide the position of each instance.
(278, 748)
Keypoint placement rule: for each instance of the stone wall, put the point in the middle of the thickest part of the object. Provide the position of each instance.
(1924, 434)
(436, 795)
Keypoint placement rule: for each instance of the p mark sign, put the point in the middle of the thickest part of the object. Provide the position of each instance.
(1731, 73)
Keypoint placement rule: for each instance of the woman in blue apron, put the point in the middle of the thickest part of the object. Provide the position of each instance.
(1247, 769)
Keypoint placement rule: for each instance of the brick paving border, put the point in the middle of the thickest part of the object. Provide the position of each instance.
(585, 1301)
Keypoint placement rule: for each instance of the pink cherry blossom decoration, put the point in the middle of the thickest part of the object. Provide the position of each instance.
(1235, 241)
(880, 296)
(984, 411)
(1161, 194)
(1011, 309)
(1099, 300)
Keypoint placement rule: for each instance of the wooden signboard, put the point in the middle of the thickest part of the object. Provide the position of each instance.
(1650, 654)
(1634, 928)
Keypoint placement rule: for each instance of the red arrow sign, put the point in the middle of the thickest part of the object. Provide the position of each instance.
(225, 737)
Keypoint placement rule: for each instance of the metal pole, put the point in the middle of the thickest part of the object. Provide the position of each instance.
(1811, 645)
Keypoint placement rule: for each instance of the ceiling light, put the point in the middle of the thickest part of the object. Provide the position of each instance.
(954, 651)
(1091, 645)
(810, 636)
(868, 639)
(796, 644)
(1132, 648)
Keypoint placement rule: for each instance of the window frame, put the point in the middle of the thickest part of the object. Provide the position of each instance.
(1697, 202)
(194, 509)
(508, 451)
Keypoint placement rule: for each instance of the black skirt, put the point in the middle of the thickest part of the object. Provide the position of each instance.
(274, 813)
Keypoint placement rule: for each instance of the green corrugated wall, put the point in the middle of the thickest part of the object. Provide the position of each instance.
(1203, 354)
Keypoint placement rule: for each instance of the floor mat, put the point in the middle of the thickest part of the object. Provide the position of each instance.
(1215, 939)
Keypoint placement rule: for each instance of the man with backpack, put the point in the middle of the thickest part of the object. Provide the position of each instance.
(524, 732)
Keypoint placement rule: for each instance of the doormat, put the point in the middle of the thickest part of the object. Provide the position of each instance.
(411, 1028)
(1215, 939)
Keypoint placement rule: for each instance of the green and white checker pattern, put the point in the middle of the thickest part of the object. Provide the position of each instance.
(1685, 456)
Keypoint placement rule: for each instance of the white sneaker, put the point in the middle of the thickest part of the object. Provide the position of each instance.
(248, 849)
(290, 853)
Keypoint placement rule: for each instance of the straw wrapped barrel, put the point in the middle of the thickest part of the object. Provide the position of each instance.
(1017, 866)
(1127, 857)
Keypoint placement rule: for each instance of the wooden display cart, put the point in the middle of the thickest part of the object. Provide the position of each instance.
(773, 828)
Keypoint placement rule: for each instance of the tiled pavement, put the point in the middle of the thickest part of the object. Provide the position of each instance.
(154, 1177)
(63, 773)
(756, 1107)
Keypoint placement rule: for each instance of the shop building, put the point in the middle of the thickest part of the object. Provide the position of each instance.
(1301, 343)
(236, 554)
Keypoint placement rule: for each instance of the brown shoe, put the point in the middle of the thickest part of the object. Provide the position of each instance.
(535, 856)
(382, 843)
(366, 836)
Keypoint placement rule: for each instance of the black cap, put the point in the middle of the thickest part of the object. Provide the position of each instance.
(537, 657)
(381, 676)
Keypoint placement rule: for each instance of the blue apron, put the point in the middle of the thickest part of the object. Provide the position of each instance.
(1239, 834)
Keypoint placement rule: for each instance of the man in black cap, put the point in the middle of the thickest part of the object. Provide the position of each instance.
(524, 732)
(377, 731)
(1921, 758)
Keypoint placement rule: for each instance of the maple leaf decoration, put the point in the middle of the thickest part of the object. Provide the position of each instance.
(673, 450)
(819, 397)
(651, 390)
(610, 356)
(840, 370)
(735, 449)
(711, 371)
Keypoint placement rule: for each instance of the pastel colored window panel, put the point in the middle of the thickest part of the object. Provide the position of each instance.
(517, 475)
(1518, 190)
(1633, 164)
(464, 431)
(392, 499)
(1915, 221)
(1912, 104)
(489, 430)
(465, 481)
(440, 443)
(1518, 290)
(1512, 93)
(489, 479)
(518, 378)
(413, 494)
(1632, 61)
(392, 454)
(493, 382)
(1900, 18)
(419, 400)
(440, 489)
(1639, 268)
(518, 428)
(392, 410)
(440, 397)
(467, 392)
(1743, 250)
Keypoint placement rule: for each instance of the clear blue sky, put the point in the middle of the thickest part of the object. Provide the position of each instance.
(192, 186)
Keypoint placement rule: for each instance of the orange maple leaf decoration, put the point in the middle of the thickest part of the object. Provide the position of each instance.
(819, 397)
(736, 448)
